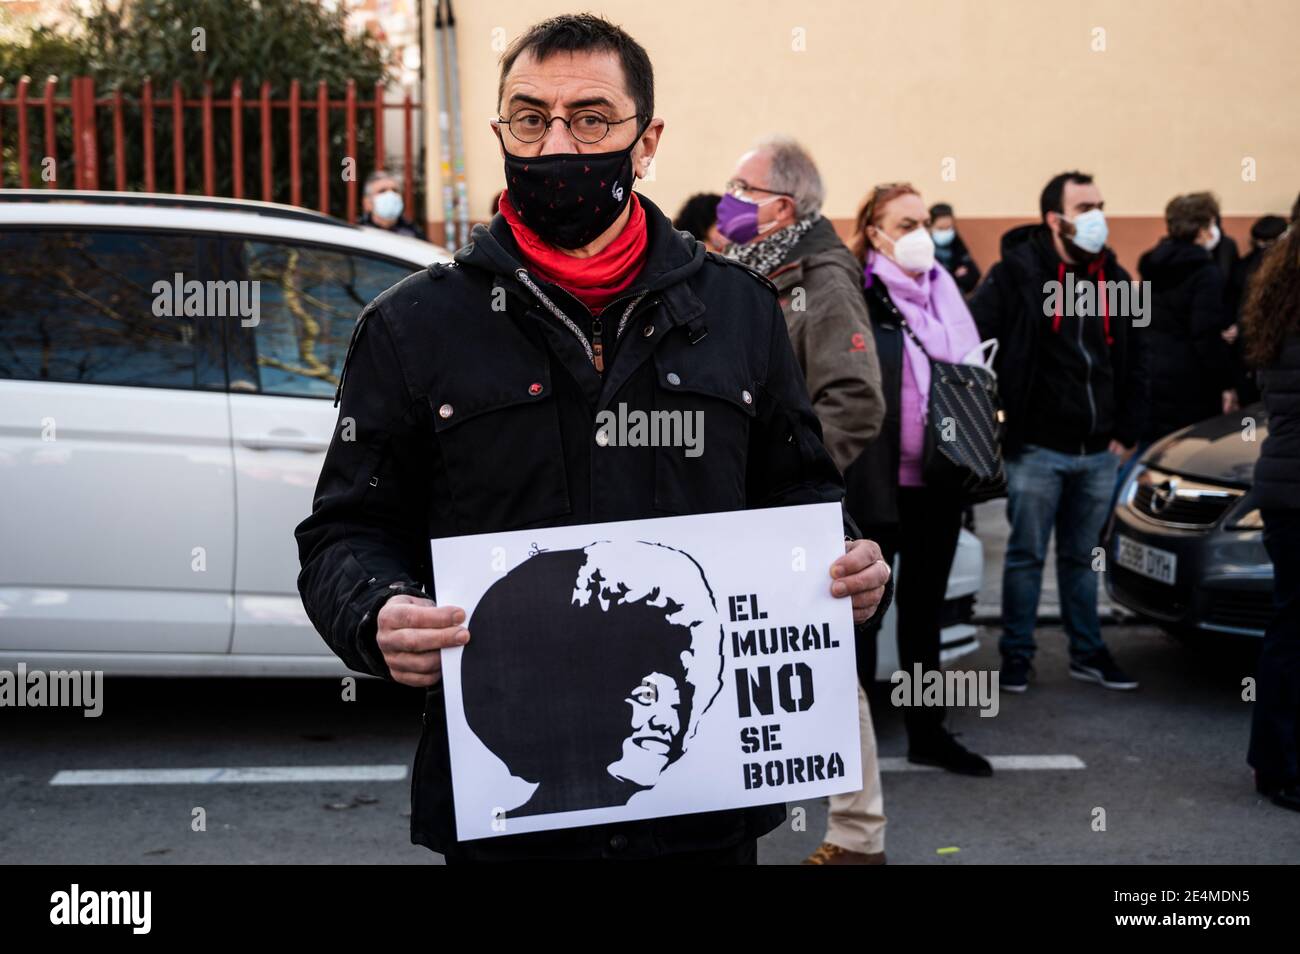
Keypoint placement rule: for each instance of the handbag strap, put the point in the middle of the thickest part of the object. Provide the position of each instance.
(912, 334)
(904, 325)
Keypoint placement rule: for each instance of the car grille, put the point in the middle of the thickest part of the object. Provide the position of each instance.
(1240, 609)
(1180, 502)
(1149, 597)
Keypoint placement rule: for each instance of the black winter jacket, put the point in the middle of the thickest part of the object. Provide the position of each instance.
(1277, 472)
(871, 481)
(465, 417)
(1189, 363)
(1101, 383)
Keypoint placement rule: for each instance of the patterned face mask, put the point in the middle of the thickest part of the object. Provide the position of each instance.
(570, 198)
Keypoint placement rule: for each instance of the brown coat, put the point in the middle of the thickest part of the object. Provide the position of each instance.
(821, 295)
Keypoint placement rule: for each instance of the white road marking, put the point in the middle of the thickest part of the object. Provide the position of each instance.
(397, 773)
(1005, 763)
(254, 774)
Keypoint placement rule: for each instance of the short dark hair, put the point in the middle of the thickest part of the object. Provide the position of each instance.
(1186, 215)
(939, 210)
(698, 214)
(1052, 199)
(580, 33)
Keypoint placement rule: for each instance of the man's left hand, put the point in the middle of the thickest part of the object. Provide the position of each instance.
(860, 574)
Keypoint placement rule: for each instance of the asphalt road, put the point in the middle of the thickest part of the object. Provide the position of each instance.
(1166, 763)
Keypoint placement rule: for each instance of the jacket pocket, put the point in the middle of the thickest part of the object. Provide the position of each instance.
(710, 400)
(498, 428)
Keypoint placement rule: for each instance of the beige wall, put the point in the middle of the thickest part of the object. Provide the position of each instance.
(1011, 91)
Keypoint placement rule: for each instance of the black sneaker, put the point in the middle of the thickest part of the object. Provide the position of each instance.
(942, 749)
(1101, 668)
(1014, 675)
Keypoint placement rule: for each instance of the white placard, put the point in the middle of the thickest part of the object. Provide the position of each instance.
(645, 668)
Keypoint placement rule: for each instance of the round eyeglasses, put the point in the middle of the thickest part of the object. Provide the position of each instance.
(586, 125)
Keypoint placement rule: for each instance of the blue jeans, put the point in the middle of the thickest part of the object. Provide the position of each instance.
(1072, 492)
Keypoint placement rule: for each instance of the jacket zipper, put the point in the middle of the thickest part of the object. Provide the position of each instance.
(1087, 384)
(595, 348)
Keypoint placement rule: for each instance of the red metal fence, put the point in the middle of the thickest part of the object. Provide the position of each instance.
(15, 120)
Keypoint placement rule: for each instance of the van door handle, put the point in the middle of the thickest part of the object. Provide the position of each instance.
(293, 441)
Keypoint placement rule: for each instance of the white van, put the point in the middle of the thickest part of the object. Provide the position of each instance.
(153, 465)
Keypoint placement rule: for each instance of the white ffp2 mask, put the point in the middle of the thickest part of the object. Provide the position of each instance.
(914, 252)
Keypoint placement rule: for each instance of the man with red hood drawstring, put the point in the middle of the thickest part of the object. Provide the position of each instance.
(1072, 380)
(471, 392)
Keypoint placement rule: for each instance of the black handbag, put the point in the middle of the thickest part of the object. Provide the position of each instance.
(963, 429)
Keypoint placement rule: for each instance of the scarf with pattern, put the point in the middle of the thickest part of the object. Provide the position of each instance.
(767, 253)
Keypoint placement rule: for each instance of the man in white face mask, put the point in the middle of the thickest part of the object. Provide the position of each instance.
(1072, 380)
(382, 205)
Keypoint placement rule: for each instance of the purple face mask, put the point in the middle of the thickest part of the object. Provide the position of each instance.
(738, 219)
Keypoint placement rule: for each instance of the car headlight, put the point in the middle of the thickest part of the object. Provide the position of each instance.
(1250, 520)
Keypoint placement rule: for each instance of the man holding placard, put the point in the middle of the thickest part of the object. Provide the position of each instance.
(474, 396)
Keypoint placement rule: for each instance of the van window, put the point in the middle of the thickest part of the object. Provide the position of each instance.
(97, 307)
(309, 299)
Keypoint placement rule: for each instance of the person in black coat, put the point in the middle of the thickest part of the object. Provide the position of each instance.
(1272, 328)
(1265, 231)
(910, 295)
(949, 249)
(1189, 364)
(468, 396)
(1072, 380)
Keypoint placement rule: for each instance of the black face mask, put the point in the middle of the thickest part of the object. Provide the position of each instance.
(570, 198)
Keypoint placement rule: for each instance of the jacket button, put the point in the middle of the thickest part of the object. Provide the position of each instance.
(602, 438)
(535, 389)
(673, 378)
(446, 411)
(617, 842)
(747, 397)
(647, 331)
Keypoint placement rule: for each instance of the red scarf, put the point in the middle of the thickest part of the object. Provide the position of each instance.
(594, 281)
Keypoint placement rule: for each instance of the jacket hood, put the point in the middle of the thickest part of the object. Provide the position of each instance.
(820, 245)
(1030, 250)
(1018, 235)
(819, 239)
(671, 256)
(1172, 260)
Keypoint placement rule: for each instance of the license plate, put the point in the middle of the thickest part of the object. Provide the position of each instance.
(1151, 562)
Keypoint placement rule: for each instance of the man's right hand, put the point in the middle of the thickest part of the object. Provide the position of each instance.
(412, 633)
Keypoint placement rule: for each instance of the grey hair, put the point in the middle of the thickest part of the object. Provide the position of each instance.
(793, 171)
(380, 175)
